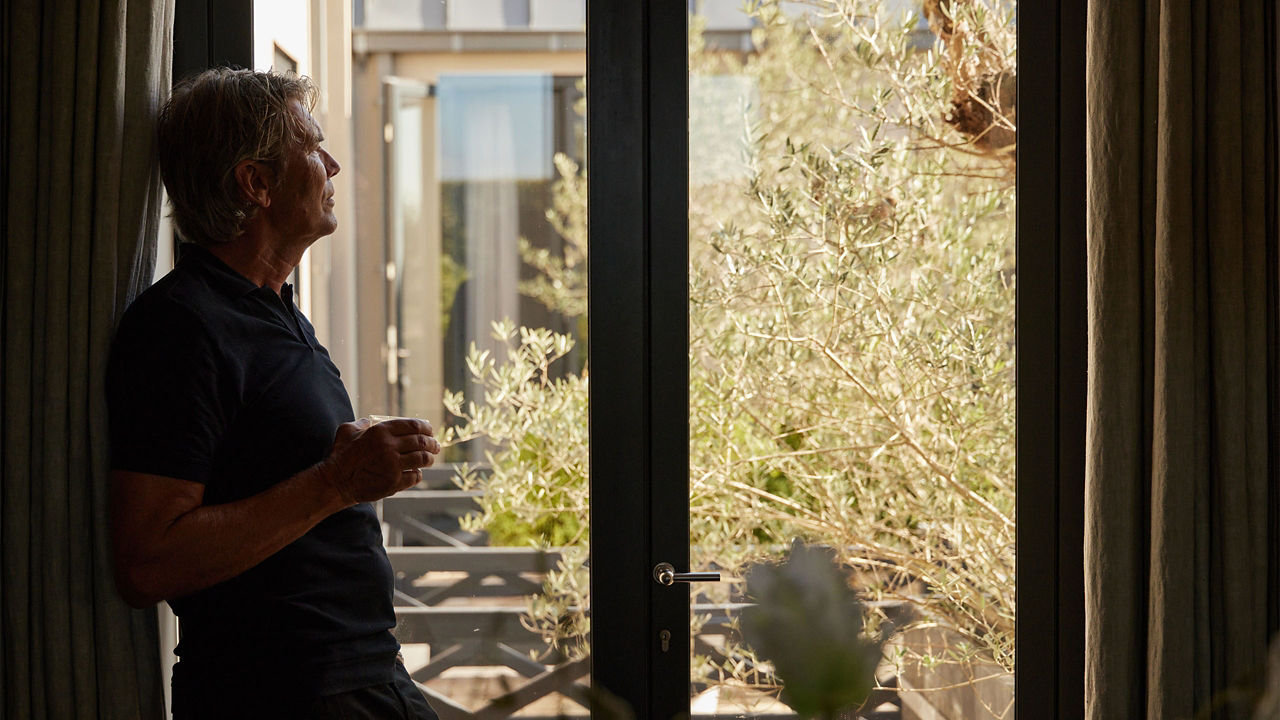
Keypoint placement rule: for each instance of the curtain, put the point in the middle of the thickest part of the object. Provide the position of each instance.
(1180, 549)
(492, 213)
(82, 83)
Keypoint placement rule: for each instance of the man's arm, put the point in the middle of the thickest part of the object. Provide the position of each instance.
(167, 544)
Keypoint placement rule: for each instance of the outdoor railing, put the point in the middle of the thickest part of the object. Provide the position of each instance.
(465, 601)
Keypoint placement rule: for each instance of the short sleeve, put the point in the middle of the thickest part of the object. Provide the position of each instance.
(166, 396)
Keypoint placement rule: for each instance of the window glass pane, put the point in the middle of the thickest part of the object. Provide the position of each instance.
(488, 14)
(557, 14)
(399, 14)
(851, 278)
(490, 549)
(461, 205)
(499, 136)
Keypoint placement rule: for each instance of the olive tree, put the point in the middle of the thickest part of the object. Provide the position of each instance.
(851, 285)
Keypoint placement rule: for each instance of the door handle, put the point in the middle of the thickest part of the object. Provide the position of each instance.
(665, 574)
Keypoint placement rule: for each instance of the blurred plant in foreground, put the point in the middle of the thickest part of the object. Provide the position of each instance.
(809, 624)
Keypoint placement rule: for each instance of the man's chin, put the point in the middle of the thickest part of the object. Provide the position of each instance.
(324, 231)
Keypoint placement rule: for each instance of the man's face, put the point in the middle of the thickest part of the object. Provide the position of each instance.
(302, 205)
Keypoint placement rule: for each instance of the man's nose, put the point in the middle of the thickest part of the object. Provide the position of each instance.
(330, 163)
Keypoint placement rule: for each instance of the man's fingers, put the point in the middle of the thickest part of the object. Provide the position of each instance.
(414, 443)
(409, 479)
(408, 426)
(348, 431)
(416, 460)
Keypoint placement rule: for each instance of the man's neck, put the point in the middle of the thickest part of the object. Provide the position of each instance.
(255, 256)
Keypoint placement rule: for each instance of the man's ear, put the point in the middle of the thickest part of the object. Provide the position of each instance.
(254, 179)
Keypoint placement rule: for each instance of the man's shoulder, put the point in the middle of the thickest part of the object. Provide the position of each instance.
(177, 307)
(180, 293)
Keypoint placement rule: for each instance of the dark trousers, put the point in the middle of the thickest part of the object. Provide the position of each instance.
(399, 699)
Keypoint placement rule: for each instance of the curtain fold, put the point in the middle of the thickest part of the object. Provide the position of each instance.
(1180, 488)
(83, 82)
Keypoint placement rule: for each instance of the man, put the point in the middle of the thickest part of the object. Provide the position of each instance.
(240, 486)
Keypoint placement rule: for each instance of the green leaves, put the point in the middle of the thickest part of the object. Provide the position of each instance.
(851, 307)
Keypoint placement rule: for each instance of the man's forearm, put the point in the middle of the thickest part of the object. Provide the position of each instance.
(213, 543)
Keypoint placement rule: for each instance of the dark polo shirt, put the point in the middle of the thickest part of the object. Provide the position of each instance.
(216, 380)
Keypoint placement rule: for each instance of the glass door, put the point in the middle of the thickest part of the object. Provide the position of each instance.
(484, 297)
(801, 308)
(818, 348)
(850, 358)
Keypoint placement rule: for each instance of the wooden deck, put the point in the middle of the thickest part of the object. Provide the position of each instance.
(460, 605)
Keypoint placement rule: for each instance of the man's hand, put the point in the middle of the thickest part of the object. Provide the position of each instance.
(370, 462)
(168, 543)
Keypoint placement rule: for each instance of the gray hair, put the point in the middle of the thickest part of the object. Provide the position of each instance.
(213, 122)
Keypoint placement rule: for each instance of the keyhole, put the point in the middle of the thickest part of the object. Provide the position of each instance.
(665, 637)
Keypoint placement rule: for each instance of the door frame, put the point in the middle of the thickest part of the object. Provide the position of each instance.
(396, 89)
(637, 137)
(207, 33)
(637, 140)
(1051, 359)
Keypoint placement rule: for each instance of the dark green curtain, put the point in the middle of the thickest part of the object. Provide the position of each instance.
(1181, 496)
(82, 83)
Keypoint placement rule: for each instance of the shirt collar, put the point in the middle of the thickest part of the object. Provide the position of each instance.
(221, 274)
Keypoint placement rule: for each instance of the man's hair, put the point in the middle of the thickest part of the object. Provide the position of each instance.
(211, 123)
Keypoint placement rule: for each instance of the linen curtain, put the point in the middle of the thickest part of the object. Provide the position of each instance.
(1180, 549)
(82, 83)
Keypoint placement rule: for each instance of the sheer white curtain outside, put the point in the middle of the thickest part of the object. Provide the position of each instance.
(492, 220)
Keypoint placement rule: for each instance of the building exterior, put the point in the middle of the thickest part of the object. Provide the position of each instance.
(458, 111)
(458, 108)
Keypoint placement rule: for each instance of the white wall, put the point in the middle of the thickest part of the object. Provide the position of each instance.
(286, 23)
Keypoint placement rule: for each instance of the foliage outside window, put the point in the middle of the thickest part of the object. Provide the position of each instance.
(851, 326)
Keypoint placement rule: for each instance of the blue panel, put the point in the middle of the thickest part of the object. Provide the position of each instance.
(495, 127)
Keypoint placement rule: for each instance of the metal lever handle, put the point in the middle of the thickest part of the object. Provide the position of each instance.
(665, 574)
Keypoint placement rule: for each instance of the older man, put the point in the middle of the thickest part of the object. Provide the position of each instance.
(240, 486)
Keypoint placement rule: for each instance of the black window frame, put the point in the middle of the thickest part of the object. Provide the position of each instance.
(636, 124)
(209, 33)
(1051, 359)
